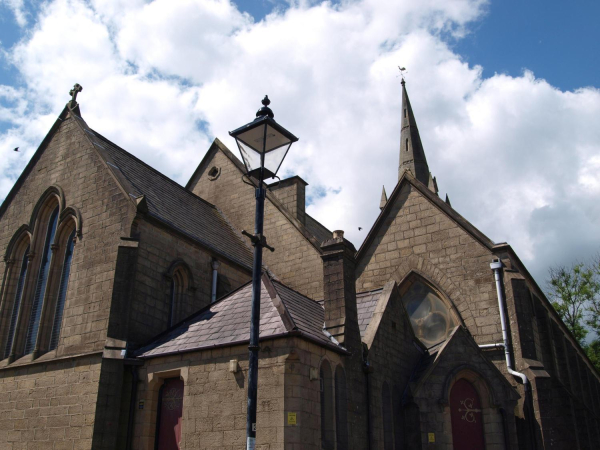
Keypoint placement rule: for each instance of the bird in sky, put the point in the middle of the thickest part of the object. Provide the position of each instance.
(16, 149)
(359, 228)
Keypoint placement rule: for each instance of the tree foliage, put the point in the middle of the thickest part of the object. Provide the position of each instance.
(575, 294)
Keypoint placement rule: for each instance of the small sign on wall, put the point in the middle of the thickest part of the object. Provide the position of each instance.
(431, 437)
(141, 404)
(291, 420)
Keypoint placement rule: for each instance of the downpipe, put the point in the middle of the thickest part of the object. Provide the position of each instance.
(496, 266)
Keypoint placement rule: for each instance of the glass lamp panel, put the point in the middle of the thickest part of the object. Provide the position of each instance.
(430, 317)
(250, 156)
(254, 138)
(274, 158)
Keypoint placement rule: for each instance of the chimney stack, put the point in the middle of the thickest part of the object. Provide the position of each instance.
(339, 289)
(292, 193)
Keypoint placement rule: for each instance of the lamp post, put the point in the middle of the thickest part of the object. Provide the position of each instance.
(263, 144)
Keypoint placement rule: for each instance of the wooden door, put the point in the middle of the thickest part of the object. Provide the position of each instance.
(170, 409)
(467, 417)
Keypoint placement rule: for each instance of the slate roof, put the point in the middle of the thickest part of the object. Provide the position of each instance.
(319, 231)
(170, 202)
(283, 311)
(366, 303)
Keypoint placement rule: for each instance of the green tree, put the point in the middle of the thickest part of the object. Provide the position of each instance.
(573, 293)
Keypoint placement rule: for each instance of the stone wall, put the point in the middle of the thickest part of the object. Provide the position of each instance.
(296, 261)
(49, 405)
(418, 236)
(158, 249)
(71, 163)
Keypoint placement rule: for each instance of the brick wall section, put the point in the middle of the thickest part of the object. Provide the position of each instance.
(295, 261)
(71, 163)
(158, 249)
(418, 236)
(50, 405)
(214, 404)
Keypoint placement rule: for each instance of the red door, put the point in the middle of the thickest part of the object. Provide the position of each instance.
(467, 419)
(170, 408)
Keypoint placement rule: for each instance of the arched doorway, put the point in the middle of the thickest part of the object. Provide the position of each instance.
(170, 409)
(467, 417)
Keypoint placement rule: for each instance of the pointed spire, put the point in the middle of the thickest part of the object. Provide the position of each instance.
(448, 200)
(432, 184)
(412, 155)
(384, 198)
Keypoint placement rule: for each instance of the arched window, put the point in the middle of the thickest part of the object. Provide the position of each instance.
(42, 280)
(341, 409)
(179, 282)
(14, 307)
(398, 418)
(386, 410)
(430, 317)
(327, 427)
(62, 291)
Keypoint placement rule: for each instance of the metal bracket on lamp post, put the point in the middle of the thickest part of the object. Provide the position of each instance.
(258, 239)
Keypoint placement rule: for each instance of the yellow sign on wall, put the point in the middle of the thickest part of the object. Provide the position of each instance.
(291, 418)
(431, 437)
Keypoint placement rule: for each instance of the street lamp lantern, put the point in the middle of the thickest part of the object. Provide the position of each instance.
(263, 144)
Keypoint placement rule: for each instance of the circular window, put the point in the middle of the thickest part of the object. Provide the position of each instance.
(214, 173)
(430, 318)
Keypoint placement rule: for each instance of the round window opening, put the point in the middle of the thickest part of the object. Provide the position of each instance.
(430, 318)
(214, 173)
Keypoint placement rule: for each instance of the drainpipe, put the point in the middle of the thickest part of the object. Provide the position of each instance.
(215, 275)
(496, 266)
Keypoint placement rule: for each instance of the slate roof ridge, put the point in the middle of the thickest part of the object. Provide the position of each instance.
(275, 280)
(363, 293)
(147, 166)
(408, 177)
(34, 159)
(238, 252)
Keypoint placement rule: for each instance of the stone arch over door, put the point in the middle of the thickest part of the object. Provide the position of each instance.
(459, 300)
(471, 407)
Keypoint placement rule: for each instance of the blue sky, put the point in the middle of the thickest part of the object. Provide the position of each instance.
(506, 95)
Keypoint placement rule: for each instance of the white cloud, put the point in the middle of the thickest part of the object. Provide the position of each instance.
(518, 157)
(18, 9)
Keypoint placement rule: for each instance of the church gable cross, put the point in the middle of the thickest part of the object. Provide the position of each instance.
(73, 93)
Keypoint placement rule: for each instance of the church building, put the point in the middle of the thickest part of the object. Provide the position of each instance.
(125, 315)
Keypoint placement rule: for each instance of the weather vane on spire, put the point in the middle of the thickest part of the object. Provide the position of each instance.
(73, 93)
(402, 70)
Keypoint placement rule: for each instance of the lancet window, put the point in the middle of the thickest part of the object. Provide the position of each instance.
(14, 307)
(42, 281)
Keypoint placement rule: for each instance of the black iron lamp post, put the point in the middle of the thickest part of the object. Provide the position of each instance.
(263, 144)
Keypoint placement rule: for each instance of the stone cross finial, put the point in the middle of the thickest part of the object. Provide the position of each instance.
(73, 93)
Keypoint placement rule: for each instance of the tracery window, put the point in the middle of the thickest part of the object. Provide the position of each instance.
(62, 291)
(42, 280)
(430, 316)
(341, 409)
(327, 426)
(386, 410)
(15, 307)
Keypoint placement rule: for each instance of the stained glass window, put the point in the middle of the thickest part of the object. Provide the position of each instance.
(429, 315)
